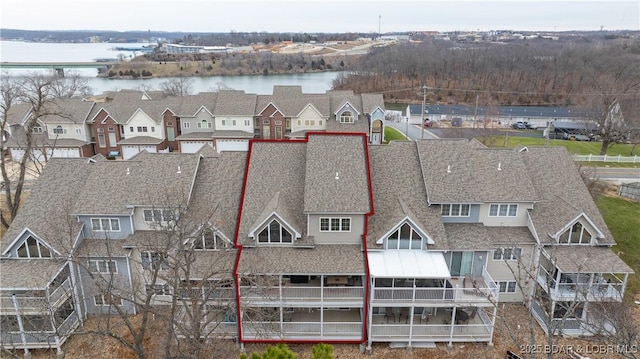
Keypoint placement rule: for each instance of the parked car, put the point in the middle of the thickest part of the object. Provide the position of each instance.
(523, 125)
(575, 137)
(428, 123)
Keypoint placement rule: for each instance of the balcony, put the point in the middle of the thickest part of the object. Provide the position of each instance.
(581, 286)
(477, 291)
(40, 339)
(435, 328)
(345, 291)
(301, 324)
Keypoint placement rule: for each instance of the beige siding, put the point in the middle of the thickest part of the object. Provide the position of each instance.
(141, 119)
(520, 220)
(352, 237)
(509, 270)
(243, 123)
(308, 114)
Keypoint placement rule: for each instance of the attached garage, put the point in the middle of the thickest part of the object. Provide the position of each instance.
(65, 152)
(192, 146)
(129, 151)
(232, 145)
(16, 154)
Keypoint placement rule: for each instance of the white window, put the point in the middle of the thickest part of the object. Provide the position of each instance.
(404, 237)
(31, 248)
(186, 125)
(274, 232)
(503, 210)
(299, 122)
(37, 129)
(59, 130)
(335, 224)
(509, 254)
(130, 128)
(154, 260)
(507, 286)
(78, 131)
(210, 240)
(158, 289)
(158, 215)
(105, 224)
(103, 266)
(319, 122)
(153, 129)
(455, 210)
(247, 122)
(577, 234)
(143, 129)
(105, 300)
(205, 124)
(228, 122)
(346, 117)
(101, 141)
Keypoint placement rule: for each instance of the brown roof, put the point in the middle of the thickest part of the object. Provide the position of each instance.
(323, 259)
(336, 174)
(28, 273)
(587, 259)
(476, 236)
(398, 161)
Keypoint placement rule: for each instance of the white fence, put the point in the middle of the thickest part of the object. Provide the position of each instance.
(605, 158)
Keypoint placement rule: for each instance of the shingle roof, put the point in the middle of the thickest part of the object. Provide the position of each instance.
(140, 140)
(235, 103)
(476, 236)
(396, 179)
(195, 136)
(28, 273)
(359, 126)
(336, 175)
(371, 101)
(587, 259)
(67, 110)
(345, 259)
(456, 171)
(563, 194)
(273, 167)
(153, 179)
(17, 113)
(46, 212)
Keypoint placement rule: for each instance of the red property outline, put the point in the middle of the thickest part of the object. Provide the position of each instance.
(364, 243)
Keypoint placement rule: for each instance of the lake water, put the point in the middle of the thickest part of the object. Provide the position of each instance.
(17, 51)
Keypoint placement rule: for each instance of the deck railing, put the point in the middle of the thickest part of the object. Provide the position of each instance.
(303, 329)
(295, 293)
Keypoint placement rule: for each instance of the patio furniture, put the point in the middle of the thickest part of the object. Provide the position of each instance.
(389, 313)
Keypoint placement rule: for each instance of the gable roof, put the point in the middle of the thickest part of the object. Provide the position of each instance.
(394, 202)
(563, 194)
(67, 110)
(235, 103)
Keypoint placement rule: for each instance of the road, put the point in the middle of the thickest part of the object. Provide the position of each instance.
(616, 174)
(411, 131)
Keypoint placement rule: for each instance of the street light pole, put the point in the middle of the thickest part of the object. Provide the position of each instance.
(424, 100)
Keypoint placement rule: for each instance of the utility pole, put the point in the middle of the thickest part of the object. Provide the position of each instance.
(424, 100)
(379, 20)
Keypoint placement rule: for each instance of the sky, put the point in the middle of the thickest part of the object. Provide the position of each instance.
(319, 16)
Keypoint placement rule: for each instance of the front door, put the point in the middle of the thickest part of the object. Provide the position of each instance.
(266, 132)
(375, 138)
(279, 132)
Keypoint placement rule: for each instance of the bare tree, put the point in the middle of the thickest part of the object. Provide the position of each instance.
(179, 86)
(39, 93)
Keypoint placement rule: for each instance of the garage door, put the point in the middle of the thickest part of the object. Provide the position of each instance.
(191, 146)
(232, 145)
(129, 151)
(150, 149)
(65, 152)
(16, 155)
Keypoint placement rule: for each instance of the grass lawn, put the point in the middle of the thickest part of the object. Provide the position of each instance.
(391, 134)
(623, 219)
(574, 147)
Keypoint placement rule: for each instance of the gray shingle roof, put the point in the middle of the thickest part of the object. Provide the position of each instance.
(67, 110)
(457, 171)
(153, 180)
(235, 103)
(587, 259)
(46, 212)
(563, 194)
(140, 140)
(273, 167)
(28, 273)
(341, 156)
(476, 236)
(345, 259)
(397, 180)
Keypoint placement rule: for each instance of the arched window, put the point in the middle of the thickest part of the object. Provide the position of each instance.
(31, 248)
(577, 234)
(346, 117)
(404, 237)
(274, 233)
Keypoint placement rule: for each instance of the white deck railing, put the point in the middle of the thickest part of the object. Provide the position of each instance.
(291, 293)
(302, 329)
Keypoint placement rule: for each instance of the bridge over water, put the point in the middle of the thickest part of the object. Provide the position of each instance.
(57, 66)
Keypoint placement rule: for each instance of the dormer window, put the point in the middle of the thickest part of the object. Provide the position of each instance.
(577, 234)
(209, 240)
(274, 232)
(31, 248)
(404, 237)
(158, 215)
(347, 117)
